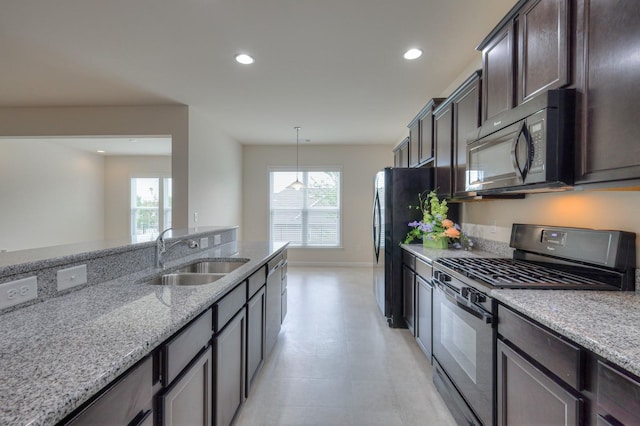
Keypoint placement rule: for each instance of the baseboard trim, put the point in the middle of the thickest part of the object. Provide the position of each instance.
(332, 264)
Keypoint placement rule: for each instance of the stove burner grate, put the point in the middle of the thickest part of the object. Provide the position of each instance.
(501, 272)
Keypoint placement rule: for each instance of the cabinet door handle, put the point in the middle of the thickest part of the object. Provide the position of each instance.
(140, 418)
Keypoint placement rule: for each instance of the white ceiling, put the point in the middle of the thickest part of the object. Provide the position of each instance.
(333, 67)
(112, 146)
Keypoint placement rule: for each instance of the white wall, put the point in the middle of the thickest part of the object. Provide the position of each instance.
(359, 164)
(118, 171)
(215, 174)
(49, 195)
(586, 209)
(148, 120)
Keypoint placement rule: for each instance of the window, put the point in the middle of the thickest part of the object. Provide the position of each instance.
(150, 205)
(309, 217)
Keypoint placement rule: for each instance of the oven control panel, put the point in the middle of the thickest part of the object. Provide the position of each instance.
(558, 238)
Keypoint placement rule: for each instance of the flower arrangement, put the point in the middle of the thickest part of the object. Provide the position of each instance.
(435, 229)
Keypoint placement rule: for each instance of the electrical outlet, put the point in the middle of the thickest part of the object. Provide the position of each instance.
(217, 238)
(204, 242)
(195, 217)
(71, 277)
(18, 291)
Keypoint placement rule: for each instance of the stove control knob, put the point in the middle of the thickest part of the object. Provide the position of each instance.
(441, 276)
(465, 291)
(476, 297)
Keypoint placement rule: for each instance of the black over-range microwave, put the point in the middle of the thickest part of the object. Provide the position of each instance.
(526, 149)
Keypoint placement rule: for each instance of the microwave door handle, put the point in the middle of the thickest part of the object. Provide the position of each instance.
(522, 134)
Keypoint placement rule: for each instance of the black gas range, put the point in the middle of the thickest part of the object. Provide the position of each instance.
(464, 313)
(548, 257)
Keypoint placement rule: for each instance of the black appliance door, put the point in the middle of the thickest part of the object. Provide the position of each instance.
(377, 226)
(463, 346)
(492, 162)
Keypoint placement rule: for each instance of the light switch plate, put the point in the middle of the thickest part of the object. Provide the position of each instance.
(18, 291)
(71, 277)
(204, 242)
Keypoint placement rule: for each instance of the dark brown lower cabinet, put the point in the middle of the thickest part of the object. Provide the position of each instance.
(127, 401)
(528, 396)
(256, 310)
(408, 305)
(229, 374)
(424, 322)
(188, 400)
(618, 397)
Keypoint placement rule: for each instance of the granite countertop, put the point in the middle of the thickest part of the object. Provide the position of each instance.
(56, 354)
(605, 322)
(430, 254)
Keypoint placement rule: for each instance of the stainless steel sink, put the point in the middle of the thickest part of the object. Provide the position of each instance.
(185, 278)
(214, 266)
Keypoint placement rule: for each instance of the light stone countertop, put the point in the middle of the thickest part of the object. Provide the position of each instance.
(430, 254)
(56, 354)
(605, 322)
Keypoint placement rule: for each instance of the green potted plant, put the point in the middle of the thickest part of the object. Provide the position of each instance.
(435, 229)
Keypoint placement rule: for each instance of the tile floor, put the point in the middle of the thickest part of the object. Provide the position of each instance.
(338, 363)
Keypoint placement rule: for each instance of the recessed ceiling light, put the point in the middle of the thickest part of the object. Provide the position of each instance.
(100, 151)
(244, 59)
(412, 54)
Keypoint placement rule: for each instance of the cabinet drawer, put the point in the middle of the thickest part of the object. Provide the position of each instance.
(225, 308)
(618, 396)
(423, 269)
(409, 259)
(257, 280)
(558, 356)
(183, 347)
(128, 399)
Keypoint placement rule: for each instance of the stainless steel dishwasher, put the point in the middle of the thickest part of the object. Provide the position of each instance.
(274, 302)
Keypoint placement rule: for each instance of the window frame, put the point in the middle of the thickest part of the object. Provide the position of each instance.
(302, 176)
(162, 202)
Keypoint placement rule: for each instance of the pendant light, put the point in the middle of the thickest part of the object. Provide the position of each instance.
(297, 185)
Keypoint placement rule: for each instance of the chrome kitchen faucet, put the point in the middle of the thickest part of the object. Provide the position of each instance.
(161, 248)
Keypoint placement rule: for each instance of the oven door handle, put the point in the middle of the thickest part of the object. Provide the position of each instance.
(462, 303)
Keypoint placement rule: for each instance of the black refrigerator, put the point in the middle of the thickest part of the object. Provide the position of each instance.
(395, 189)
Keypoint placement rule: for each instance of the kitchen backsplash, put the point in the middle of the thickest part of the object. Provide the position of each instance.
(108, 264)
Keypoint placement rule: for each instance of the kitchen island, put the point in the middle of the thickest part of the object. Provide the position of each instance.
(57, 354)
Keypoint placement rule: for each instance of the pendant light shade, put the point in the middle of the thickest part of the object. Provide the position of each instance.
(297, 185)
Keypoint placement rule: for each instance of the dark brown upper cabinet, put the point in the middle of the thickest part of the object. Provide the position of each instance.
(421, 148)
(607, 75)
(455, 120)
(401, 154)
(527, 53)
(498, 70)
(414, 144)
(543, 48)
(443, 139)
(466, 120)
